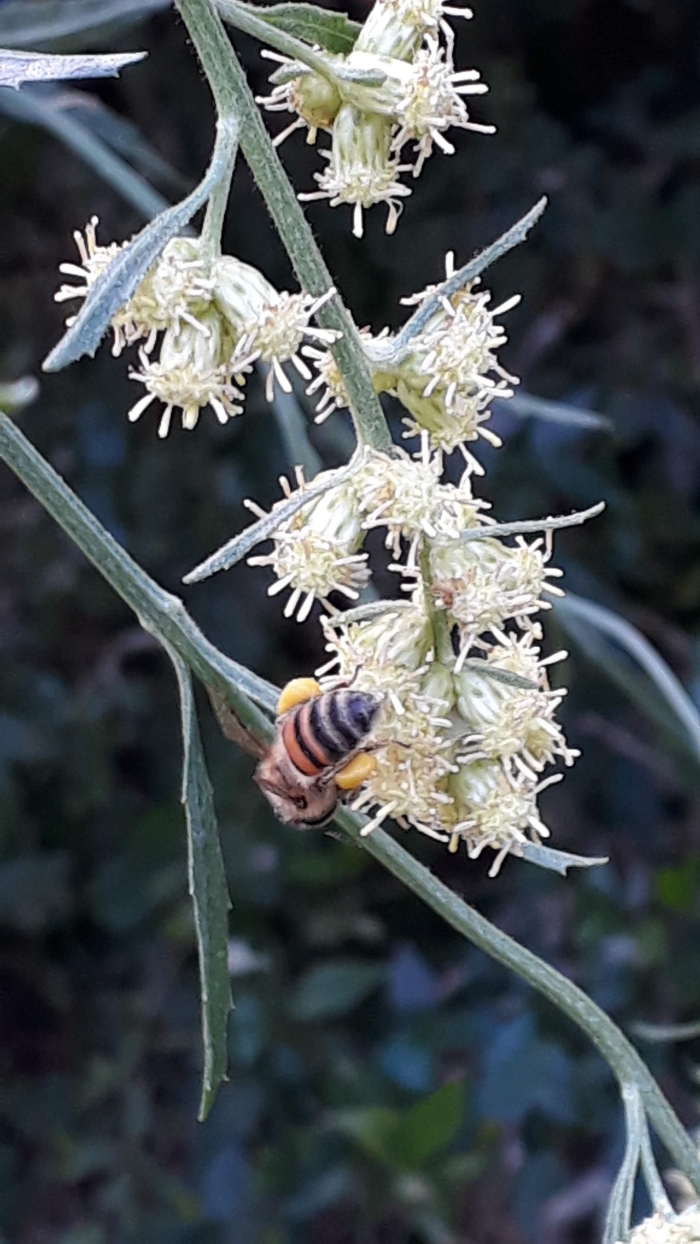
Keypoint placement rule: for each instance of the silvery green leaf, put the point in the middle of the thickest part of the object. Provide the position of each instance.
(507, 677)
(236, 549)
(19, 67)
(15, 394)
(365, 77)
(207, 884)
(117, 283)
(528, 405)
(287, 73)
(556, 861)
(666, 1032)
(512, 237)
(334, 32)
(40, 105)
(44, 21)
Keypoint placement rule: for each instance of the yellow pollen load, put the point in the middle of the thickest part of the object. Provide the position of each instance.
(357, 771)
(296, 692)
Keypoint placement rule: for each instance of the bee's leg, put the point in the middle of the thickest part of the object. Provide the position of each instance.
(234, 729)
(350, 774)
(298, 691)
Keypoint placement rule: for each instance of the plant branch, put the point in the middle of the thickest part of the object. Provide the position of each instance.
(229, 85)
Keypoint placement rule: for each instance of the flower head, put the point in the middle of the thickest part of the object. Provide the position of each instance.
(312, 98)
(450, 374)
(397, 27)
(506, 720)
(482, 583)
(684, 1228)
(390, 656)
(191, 372)
(175, 290)
(422, 98)
(315, 552)
(405, 495)
(267, 325)
(361, 169)
(492, 808)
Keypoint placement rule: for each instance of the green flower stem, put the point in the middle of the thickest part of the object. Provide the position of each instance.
(160, 613)
(164, 616)
(243, 18)
(228, 83)
(438, 617)
(620, 1055)
(213, 224)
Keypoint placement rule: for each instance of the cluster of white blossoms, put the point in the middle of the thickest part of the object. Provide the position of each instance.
(468, 721)
(211, 319)
(397, 87)
(446, 375)
(683, 1228)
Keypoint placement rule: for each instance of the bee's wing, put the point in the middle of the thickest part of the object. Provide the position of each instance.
(233, 729)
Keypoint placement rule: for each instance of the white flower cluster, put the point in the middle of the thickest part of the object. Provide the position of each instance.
(397, 86)
(468, 723)
(683, 1228)
(212, 320)
(446, 377)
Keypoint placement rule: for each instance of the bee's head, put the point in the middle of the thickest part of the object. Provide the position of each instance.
(309, 808)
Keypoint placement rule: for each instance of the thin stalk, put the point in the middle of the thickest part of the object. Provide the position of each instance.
(164, 615)
(229, 86)
(438, 617)
(652, 1178)
(619, 1215)
(247, 21)
(213, 223)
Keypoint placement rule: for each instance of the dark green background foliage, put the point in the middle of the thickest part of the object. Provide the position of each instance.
(388, 1085)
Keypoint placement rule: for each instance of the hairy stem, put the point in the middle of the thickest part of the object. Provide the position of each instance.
(229, 85)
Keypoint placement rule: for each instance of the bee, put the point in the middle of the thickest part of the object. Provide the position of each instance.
(317, 753)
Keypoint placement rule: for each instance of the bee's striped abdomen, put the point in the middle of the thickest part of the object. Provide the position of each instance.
(323, 731)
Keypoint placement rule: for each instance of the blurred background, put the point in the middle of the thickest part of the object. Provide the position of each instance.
(388, 1084)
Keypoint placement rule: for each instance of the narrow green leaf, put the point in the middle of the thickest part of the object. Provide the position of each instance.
(333, 31)
(117, 283)
(236, 549)
(507, 677)
(556, 861)
(36, 106)
(663, 1033)
(530, 406)
(43, 21)
(431, 1124)
(19, 67)
(332, 989)
(527, 525)
(512, 237)
(207, 883)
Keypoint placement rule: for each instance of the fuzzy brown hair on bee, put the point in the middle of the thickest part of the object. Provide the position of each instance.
(316, 753)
